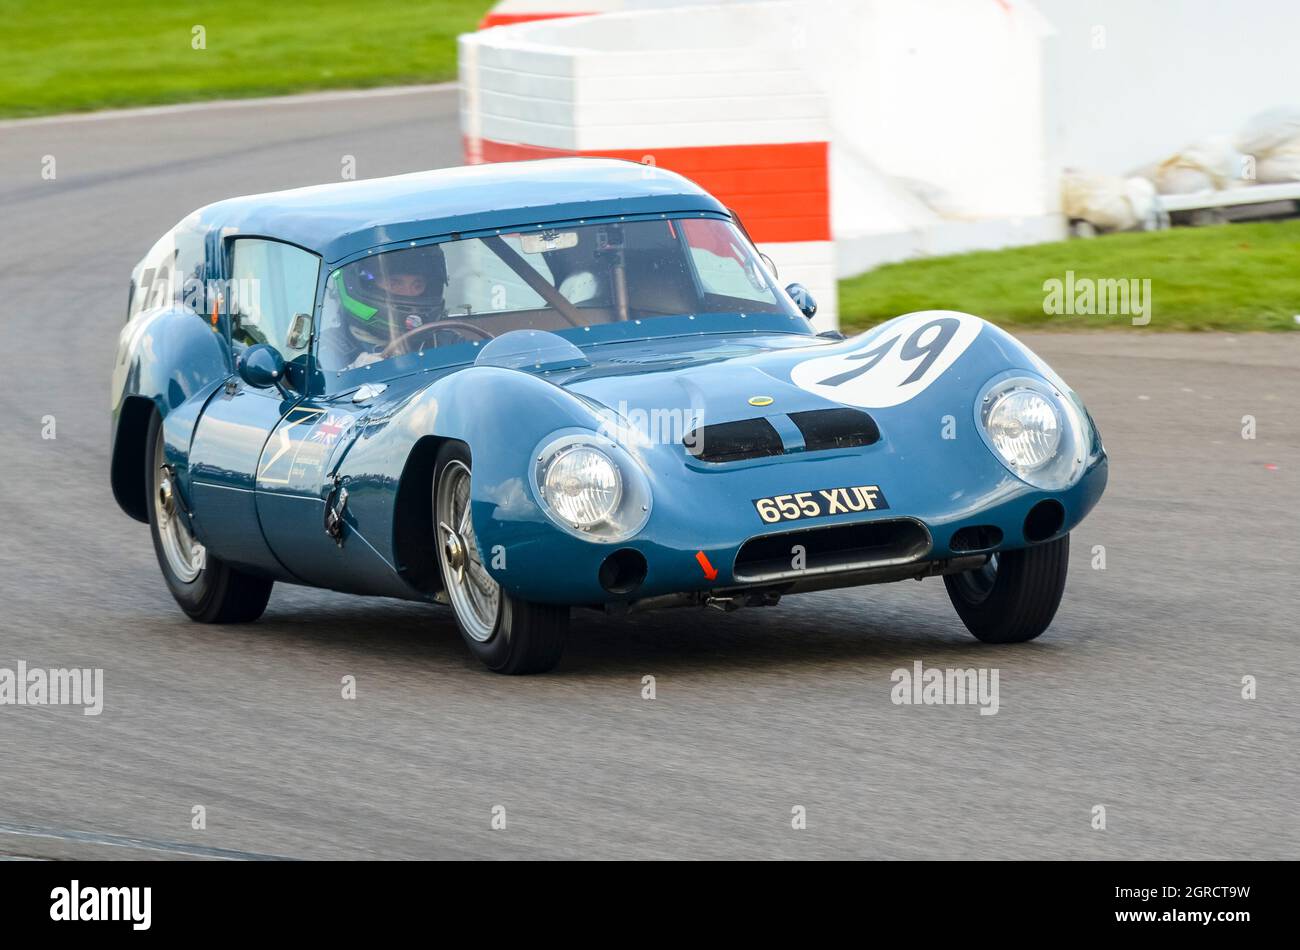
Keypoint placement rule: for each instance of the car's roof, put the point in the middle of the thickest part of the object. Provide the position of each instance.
(344, 218)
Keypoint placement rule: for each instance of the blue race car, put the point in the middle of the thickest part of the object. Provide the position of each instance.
(522, 388)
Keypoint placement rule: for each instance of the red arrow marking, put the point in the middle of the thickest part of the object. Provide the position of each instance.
(709, 570)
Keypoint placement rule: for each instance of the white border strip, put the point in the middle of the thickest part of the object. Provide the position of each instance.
(139, 844)
(338, 95)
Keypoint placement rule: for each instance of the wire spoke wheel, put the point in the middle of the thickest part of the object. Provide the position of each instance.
(205, 587)
(185, 556)
(507, 634)
(474, 595)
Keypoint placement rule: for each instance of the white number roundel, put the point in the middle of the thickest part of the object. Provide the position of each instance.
(894, 363)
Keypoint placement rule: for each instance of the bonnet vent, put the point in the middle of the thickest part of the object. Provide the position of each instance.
(835, 428)
(732, 441)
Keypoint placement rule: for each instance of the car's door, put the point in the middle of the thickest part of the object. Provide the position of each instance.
(303, 507)
(269, 291)
(328, 524)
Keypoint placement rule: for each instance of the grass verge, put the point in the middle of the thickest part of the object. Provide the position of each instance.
(76, 55)
(1229, 277)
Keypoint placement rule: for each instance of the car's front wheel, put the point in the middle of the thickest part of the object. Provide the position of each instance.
(507, 634)
(1013, 597)
(207, 589)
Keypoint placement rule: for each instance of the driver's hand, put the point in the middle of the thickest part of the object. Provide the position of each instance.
(365, 359)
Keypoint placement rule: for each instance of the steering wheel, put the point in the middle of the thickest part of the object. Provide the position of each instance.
(401, 344)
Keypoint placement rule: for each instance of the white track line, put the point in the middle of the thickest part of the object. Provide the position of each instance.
(138, 844)
(340, 95)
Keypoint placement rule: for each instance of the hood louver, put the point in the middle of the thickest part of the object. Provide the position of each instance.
(732, 441)
(758, 438)
(835, 428)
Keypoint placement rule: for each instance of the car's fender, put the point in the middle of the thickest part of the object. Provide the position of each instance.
(501, 414)
(165, 358)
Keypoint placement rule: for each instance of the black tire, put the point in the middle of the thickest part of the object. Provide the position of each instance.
(522, 637)
(1014, 599)
(220, 593)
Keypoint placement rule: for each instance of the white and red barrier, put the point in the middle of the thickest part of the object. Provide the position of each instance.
(743, 120)
(510, 12)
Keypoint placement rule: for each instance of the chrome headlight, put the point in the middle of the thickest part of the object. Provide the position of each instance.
(1035, 429)
(582, 485)
(1025, 429)
(590, 486)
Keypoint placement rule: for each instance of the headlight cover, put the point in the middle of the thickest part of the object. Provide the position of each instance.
(1025, 429)
(1034, 428)
(582, 485)
(590, 486)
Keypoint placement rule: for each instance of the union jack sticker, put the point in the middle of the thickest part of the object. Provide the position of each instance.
(329, 429)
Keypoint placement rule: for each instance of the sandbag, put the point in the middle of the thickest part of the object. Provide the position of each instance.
(1272, 140)
(1107, 202)
(1209, 165)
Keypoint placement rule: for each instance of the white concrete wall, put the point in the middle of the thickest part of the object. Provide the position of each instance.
(1161, 74)
(958, 109)
(939, 140)
(625, 81)
(949, 120)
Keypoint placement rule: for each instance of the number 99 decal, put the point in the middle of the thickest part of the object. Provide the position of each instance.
(895, 363)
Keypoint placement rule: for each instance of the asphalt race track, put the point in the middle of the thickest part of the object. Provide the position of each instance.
(1132, 700)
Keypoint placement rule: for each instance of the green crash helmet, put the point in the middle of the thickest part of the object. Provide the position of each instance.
(387, 295)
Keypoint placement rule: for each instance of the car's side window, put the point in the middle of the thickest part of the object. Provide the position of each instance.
(151, 283)
(272, 293)
(172, 272)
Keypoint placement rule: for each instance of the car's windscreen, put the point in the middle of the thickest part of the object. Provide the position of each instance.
(437, 295)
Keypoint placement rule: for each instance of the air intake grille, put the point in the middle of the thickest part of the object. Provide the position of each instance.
(731, 441)
(833, 548)
(835, 428)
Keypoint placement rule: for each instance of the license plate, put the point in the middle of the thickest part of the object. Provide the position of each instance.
(820, 503)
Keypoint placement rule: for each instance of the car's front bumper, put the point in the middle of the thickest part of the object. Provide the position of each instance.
(702, 534)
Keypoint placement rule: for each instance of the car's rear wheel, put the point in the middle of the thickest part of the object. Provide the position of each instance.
(206, 588)
(1013, 597)
(507, 634)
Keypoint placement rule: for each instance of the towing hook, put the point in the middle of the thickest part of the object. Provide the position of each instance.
(725, 604)
(749, 598)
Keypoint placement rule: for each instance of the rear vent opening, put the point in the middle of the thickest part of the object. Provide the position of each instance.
(835, 428)
(980, 537)
(732, 441)
(1044, 520)
(835, 548)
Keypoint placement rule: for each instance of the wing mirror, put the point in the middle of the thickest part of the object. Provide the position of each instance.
(299, 332)
(802, 299)
(262, 366)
